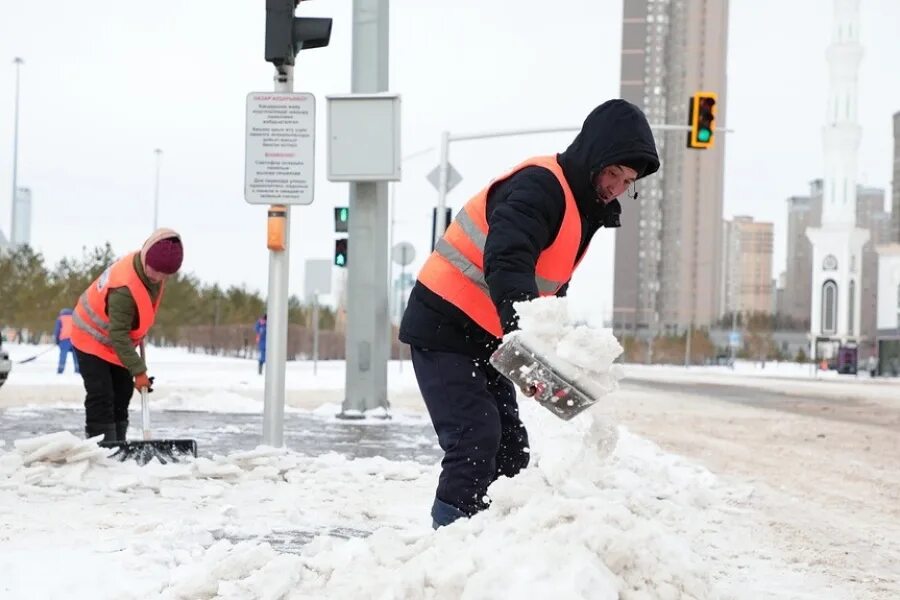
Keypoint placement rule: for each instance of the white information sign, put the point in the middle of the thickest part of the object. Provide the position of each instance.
(280, 148)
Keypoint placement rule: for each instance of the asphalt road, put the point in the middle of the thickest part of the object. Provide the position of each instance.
(849, 410)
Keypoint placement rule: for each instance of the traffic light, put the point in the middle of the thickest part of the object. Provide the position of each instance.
(702, 120)
(448, 215)
(341, 219)
(340, 252)
(286, 35)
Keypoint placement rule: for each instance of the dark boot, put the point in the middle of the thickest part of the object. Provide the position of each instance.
(121, 430)
(107, 430)
(443, 514)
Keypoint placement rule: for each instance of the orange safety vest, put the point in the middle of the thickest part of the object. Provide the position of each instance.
(65, 327)
(90, 331)
(455, 270)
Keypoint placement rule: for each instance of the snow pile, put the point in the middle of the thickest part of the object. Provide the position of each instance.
(59, 447)
(572, 525)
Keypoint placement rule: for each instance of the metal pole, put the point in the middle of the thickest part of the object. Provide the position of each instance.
(390, 281)
(402, 303)
(442, 187)
(13, 238)
(315, 331)
(447, 137)
(367, 339)
(158, 153)
(687, 346)
(733, 330)
(277, 313)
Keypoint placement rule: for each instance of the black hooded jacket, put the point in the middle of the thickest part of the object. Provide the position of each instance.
(524, 214)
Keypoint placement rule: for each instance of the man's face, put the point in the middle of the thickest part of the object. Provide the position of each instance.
(154, 275)
(612, 181)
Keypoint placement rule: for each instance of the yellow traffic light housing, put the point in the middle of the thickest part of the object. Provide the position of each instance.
(702, 120)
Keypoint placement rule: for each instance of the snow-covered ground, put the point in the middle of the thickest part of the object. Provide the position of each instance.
(580, 522)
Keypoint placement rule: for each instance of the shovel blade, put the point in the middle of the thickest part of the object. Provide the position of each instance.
(143, 451)
(528, 368)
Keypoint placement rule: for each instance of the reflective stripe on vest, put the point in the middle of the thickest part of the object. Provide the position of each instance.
(455, 270)
(65, 327)
(90, 331)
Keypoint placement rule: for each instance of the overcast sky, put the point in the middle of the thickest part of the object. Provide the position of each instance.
(105, 82)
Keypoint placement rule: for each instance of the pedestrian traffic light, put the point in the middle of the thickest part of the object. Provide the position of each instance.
(341, 219)
(340, 252)
(286, 35)
(702, 120)
(448, 215)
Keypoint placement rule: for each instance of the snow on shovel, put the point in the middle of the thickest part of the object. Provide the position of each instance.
(531, 369)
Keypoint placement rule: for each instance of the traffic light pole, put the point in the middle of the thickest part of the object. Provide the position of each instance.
(367, 339)
(447, 137)
(277, 313)
(286, 35)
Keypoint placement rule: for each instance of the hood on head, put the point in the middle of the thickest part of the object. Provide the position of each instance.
(616, 132)
(162, 233)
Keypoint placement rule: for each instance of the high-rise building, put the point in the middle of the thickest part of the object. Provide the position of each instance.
(895, 184)
(748, 286)
(870, 214)
(666, 270)
(803, 212)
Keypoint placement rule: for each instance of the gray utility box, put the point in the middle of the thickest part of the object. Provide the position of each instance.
(364, 137)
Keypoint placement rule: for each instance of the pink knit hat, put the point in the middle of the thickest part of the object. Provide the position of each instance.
(163, 251)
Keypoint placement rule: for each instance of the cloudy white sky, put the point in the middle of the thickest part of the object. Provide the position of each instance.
(104, 83)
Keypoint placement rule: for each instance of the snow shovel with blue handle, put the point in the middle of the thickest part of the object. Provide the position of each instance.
(145, 450)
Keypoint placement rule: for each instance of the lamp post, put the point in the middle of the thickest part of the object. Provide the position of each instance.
(13, 240)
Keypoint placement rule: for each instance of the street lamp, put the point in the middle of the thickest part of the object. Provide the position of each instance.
(13, 241)
(158, 153)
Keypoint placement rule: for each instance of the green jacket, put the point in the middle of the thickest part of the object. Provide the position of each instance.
(123, 317)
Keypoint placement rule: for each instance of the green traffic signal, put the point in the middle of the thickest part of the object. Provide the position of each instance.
(341, 219)
(701, 120)
(340, 252)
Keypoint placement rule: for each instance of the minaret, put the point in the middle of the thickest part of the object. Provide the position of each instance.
(838, 243)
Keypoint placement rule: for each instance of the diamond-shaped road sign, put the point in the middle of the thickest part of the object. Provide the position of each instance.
(453, 177)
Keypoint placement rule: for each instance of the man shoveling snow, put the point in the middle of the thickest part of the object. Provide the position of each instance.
(518, 239)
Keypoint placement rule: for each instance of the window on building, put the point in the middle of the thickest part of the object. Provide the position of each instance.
(852, 306)
(829, 307)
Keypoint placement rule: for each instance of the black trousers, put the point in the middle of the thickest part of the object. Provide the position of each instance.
(475, 415)
(108, 390)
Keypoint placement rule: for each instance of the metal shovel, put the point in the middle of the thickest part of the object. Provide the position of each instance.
(145, 450)
(529, 369)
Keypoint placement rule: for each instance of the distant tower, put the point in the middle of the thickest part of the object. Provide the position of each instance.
(838, 243)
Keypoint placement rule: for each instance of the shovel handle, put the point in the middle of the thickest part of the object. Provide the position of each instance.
(145, 413)
(145, 403)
